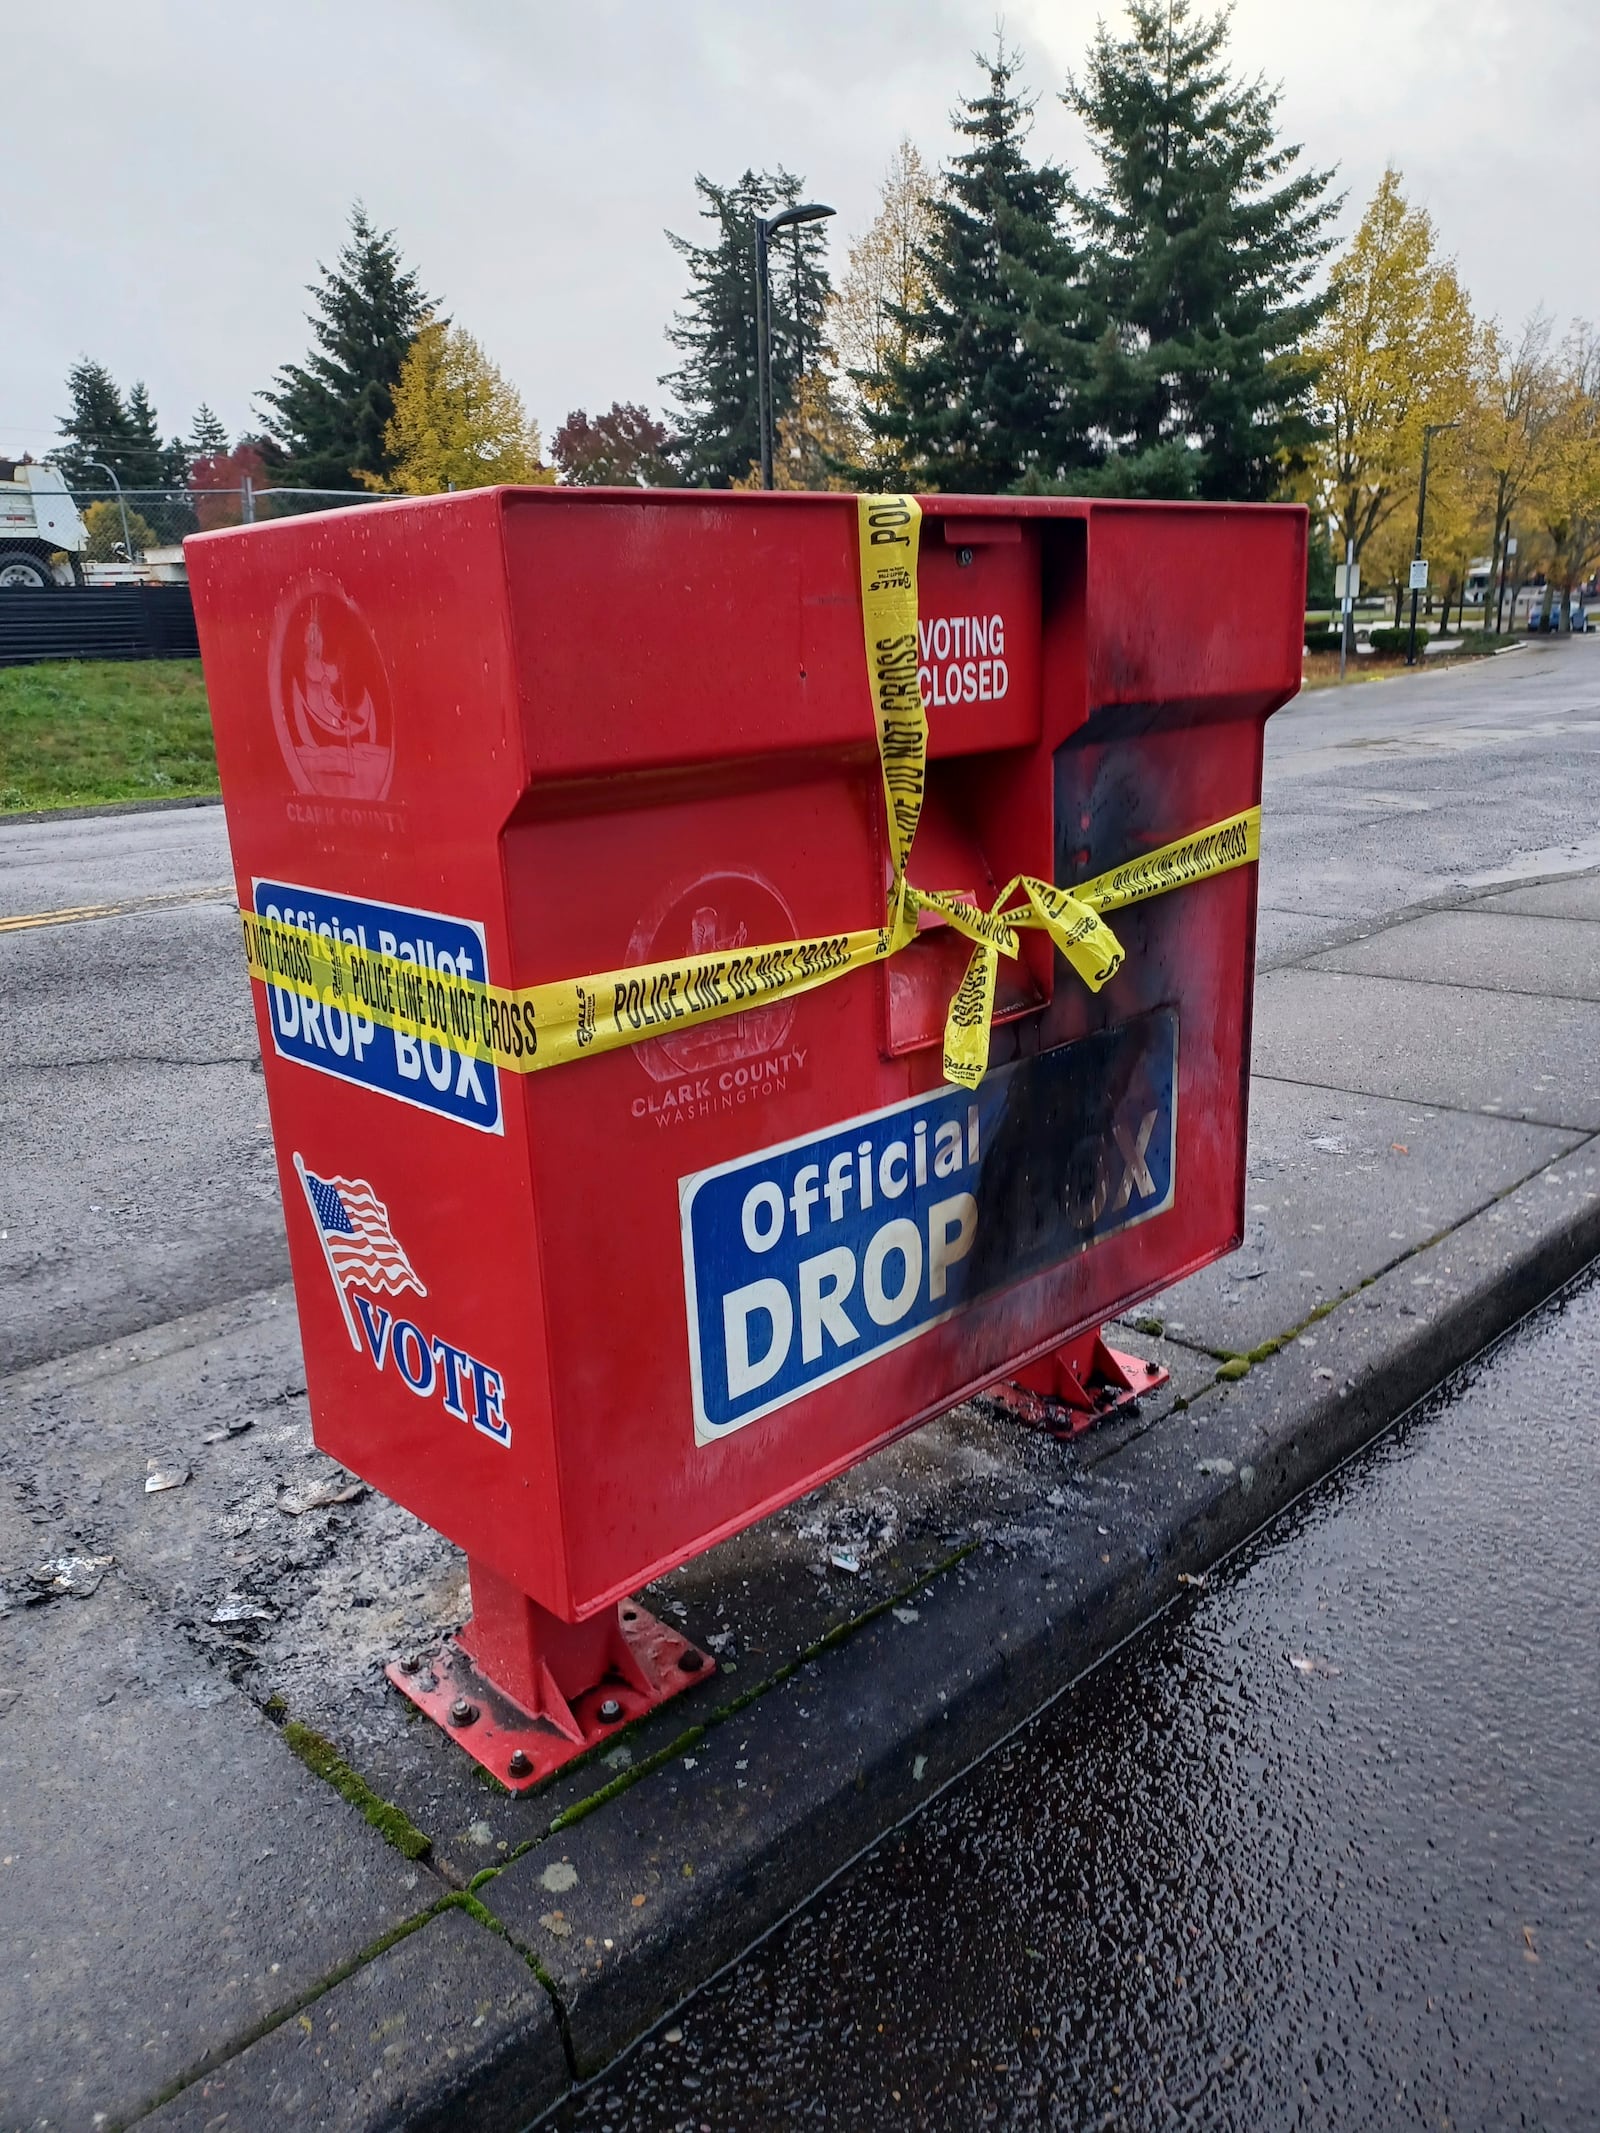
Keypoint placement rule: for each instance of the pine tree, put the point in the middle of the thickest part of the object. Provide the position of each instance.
(147, 456)
(1202, 240)
(208, 439)
(97, 429)
(330, 415)
(981, 398)
(716, 329)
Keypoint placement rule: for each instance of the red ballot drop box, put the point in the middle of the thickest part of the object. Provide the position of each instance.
(590, 1318)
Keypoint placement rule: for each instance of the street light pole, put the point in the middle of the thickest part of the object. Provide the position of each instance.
(763, 355)
(100, 467)
(767, 227)
(1430, 430)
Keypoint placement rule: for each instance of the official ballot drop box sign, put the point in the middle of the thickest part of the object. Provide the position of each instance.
(586, 1320)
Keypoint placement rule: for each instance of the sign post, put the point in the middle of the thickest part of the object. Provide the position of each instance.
(1499, 620)
(1430, 430)
(1418, 584)
(1346, 585)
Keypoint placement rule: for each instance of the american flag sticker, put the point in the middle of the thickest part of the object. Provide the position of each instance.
(365, 1261)
(357, 1242)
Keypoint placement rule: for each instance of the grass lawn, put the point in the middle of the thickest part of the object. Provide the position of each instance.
(108, 729)
(1322, 668)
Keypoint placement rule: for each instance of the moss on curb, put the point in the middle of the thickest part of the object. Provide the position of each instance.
(324, 1760)
(625, 1779)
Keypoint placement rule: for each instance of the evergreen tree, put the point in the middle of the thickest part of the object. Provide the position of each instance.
(980, 399)
(1202, 240)
(330, 415)
(720, 435)
(209, 437)
(147, 456)
(97, 429)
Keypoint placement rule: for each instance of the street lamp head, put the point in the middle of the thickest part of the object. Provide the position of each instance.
(767, 227)
(811, 211)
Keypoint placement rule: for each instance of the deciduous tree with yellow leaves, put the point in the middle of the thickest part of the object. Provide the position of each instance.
(884, 288)
(1565, 491)
(1515, 384)
(458, 422)
(819, 444)
(1394, 353)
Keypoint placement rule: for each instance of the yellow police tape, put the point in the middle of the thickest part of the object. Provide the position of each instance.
(526, 1028)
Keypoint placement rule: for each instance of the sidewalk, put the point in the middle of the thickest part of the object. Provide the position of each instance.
(239, 1887)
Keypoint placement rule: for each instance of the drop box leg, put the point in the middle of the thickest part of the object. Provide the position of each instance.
(1077, 1385)
(525, 1692)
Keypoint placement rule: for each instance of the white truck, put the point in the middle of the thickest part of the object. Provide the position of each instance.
(42, 536)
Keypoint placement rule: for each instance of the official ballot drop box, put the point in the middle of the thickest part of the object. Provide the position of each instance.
(587, 1319)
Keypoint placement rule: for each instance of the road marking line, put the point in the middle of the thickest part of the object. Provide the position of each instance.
(76, 914)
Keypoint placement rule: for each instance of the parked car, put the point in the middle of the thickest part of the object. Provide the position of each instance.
(1545, 613)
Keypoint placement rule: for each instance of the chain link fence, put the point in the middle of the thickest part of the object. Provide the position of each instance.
(137, 535)
(98, 573)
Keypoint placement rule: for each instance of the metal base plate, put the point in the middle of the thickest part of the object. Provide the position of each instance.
(1077, 1388)
(522, 1749)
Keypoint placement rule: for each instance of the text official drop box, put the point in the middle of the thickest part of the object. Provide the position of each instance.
(588, 1320)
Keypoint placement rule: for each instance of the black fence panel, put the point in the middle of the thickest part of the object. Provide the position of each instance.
(96, 622)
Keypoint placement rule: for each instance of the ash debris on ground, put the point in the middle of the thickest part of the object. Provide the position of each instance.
(300, 1585)
(975, 1478)
(277, 1565)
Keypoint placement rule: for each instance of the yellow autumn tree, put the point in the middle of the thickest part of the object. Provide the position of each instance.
(884, 282)
(1393, 353)
(1386, 559)
(458, 422)
(1516, 388)
(1456, 526)
(819, 444)
(104, 523)
(1565, 493)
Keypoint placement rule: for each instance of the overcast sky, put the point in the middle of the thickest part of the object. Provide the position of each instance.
(178, 168)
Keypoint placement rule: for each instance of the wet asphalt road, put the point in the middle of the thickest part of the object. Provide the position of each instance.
(1321, 1848)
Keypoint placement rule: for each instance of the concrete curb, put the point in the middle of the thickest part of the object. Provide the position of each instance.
(467, 2028)
(635, 1906)
(110, 807)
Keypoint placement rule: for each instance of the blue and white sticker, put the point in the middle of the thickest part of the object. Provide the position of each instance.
(809, 1260)
(336, 1040)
